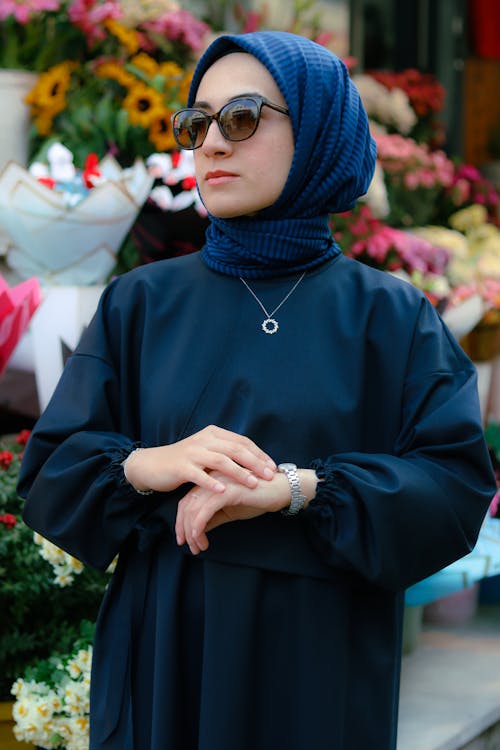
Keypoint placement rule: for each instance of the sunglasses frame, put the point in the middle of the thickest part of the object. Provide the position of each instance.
(260, 101)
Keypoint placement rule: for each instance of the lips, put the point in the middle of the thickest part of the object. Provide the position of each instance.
(219, 176)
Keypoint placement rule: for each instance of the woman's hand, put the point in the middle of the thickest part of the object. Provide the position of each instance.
(201, 510)
(235, 458)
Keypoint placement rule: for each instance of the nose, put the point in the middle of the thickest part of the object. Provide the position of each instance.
(214, 142)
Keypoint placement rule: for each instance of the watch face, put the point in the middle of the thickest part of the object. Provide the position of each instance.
(286, 467)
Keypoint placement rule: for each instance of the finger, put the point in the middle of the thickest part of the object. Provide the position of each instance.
(203, 480)
(230, 467)
(248, 455)
(242, 442)
(201, 515)
(189, 509)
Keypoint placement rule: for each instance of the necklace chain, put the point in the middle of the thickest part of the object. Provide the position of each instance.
(270, 325)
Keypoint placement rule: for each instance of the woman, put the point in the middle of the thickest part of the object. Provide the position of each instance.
(229, 624)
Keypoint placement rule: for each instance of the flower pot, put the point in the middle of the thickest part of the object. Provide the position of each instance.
(14, 85)
(7, 738)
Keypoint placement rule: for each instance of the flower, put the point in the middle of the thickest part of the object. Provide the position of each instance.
(52, 698)
(426, 97)
(37, 34)
(36, 614)
(415, 177)
(119, 97)
(362, 236)
(470, 188)
(389, 107)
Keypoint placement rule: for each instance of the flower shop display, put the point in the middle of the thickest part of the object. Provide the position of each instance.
(415, 178)
(38, 616)
(17, 306)
(40, 218)
(425, 96)
(118, 97)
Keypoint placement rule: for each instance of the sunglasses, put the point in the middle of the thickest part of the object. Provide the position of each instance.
(237, 121)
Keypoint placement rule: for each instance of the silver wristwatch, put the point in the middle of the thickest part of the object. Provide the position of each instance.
(298, 499)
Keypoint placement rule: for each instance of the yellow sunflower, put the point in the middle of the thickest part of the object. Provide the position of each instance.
(184, 88)
(160, 132)
(43, 123)
(145, 63)
(170, 70)
(49, 92)
(128, 37)
(116, 72)
(143, 105)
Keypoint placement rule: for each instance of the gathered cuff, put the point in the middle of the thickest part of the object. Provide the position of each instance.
(118, 456)
(326, 487)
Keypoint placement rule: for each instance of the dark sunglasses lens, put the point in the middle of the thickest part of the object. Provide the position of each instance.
(239, 119)
(190, 128)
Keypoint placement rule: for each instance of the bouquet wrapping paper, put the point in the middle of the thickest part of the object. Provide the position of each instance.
(69, 244)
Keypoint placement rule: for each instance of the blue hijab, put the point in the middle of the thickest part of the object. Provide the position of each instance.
(332, 166)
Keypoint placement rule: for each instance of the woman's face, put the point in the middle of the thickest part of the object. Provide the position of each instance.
(240, 178)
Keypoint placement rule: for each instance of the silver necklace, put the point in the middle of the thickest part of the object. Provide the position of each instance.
(270, 324)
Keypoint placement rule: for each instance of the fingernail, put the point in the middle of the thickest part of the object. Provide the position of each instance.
(272, 464)
(252, 481)
(219, 487)
(268, 474)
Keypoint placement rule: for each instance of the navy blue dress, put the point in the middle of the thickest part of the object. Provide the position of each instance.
(286, 632)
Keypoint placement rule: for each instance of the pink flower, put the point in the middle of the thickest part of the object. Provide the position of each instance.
(22, 10)
(180, 26)
(89, 15)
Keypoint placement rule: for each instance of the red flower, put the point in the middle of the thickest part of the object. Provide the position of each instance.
(6, 458)
(8, 520)
(23, 437)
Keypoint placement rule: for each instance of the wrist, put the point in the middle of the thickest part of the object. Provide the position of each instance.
(130, 469)
(308, 482)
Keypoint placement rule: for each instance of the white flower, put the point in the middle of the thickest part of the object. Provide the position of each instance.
(376, 197)
(65, 566)
(50, 717)
(389, 106)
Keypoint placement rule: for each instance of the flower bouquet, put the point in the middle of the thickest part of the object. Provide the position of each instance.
(415, 178)
(118, 97)
(425, 96)
(40, 219)
(35, 34)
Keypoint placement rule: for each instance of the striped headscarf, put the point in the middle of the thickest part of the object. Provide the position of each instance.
(332, 166)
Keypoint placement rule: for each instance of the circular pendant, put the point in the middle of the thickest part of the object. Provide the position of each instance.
(270, 325)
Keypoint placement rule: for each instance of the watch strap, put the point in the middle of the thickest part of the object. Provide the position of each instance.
(297, 498)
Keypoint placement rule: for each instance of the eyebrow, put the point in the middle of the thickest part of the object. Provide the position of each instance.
(201, 104)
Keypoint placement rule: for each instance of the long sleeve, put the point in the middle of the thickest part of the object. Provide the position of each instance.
(382, 394)
(401, 517)
(71, 472)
